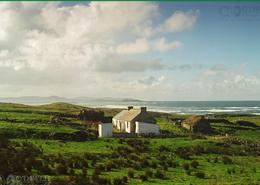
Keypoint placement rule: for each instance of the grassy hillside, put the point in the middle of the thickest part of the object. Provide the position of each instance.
(32, 144)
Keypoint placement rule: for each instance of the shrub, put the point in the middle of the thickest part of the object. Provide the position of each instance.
(175, 164)
(137, 166)
(84, 171)
(96, 171)
(144, 163)
(186, 166)
(194, 164)
(62, 169)
(101, 167)
(227, 160)
(160, 174)
(131, 173)
(154, 164)
(102, 180)
(200, 175)
(118, 181)
(143, 177)
(149, 172)
(46, 170)
(163, 148)
(165, 166)
(188, 172)
(125, 179)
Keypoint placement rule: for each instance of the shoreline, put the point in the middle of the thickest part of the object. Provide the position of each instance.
(181, 110)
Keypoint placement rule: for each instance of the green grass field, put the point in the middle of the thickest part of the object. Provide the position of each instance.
(218, 158)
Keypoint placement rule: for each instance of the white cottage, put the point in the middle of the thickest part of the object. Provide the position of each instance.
(135, 121)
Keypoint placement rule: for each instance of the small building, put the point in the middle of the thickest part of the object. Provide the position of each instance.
(196, 124)
(146, 128)
(135, 120)
(105, 130)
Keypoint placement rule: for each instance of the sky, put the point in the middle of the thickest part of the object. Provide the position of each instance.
(143, 50)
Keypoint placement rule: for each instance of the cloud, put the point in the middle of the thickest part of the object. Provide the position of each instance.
(67, 49)
(216, 69)
(142, 45)
(186, 67)
(241, 81)
(162, 45)
(46, 35)
(179, 21)
(52, 35)
(151, 80)
(139, 46)
(115, 65)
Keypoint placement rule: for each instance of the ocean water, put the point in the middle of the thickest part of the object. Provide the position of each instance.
(188, 107)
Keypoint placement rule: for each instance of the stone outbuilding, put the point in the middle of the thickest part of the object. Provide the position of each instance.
(196, 124)
(105, 130)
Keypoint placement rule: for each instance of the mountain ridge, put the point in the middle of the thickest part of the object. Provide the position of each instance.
(52, 99)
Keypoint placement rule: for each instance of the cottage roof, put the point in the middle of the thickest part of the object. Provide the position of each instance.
(134, 114)
(120, 114)
(195, 120)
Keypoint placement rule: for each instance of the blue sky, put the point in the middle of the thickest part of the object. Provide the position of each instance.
(144, 50)
(216, 38)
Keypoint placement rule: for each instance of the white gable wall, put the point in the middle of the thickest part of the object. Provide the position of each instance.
(146, 128)
(128, 127)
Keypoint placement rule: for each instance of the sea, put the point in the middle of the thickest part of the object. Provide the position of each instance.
(187, 107)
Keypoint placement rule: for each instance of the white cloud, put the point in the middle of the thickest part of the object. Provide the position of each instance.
(151, 80)
(179, 21)
(216, 70)
(162, 45)
(4, 53)
(139, 46)
(142, 45)
(241, 81)
(115, 65)
(56, 46)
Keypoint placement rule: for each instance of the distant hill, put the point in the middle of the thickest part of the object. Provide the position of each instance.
(53, 99)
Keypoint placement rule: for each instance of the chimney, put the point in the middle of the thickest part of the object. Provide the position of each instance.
(143, 109)
(130, 107)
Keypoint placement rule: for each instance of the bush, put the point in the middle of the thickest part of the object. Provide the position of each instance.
(175, 164)
(102, 180)
(137, 166)
(144, 163)
(97, 171)
(118, 181)
(131, 173)
(62, 169)
(100, 167)
(163, 148)
(149, 172)
(200, 175)
(154, 164)
(227, 160)
(125, 179)
(186, 166)
(143, 177)
(188, 172)
(160, 174)
(194, 164)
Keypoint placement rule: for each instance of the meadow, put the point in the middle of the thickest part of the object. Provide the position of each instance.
(41, 140)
